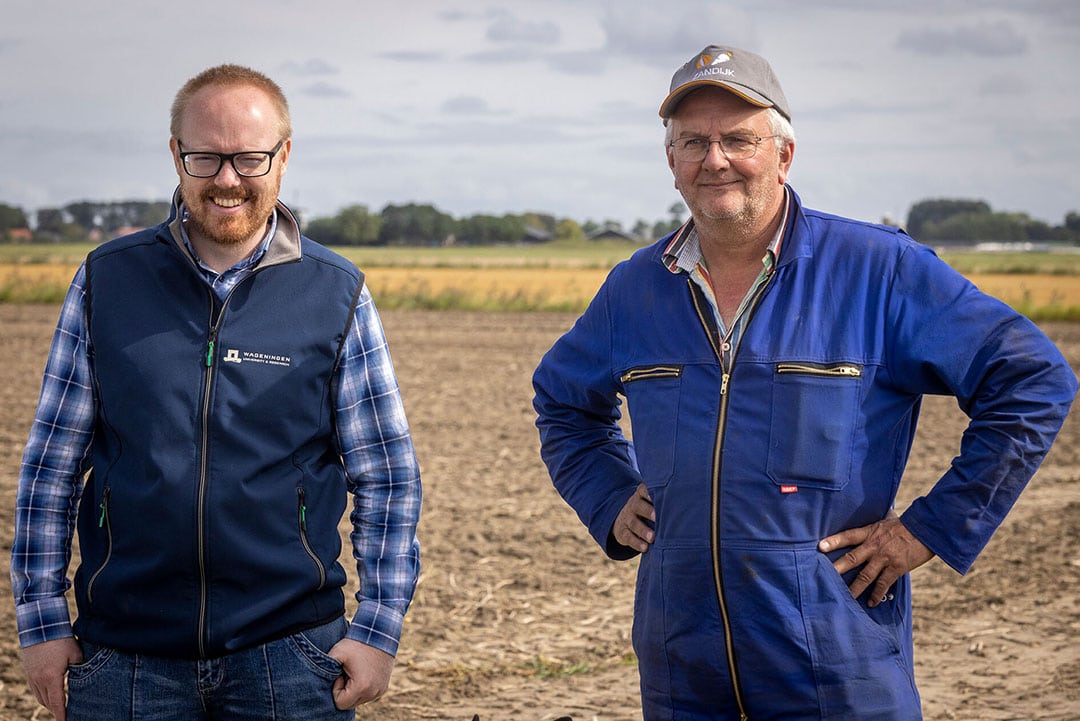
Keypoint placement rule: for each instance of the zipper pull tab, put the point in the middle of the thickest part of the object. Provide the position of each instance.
(303, 517)
(101, 519)
(723, 384)
(210, 354)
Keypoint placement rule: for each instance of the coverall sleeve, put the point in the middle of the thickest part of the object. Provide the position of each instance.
(947, 337)
(590, 461)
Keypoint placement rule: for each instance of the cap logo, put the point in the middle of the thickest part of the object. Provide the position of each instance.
(705, 60)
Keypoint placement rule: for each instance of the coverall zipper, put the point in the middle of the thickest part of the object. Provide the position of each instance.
(725, 354)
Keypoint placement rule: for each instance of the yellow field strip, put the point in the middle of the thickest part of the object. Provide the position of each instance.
(547, 288)
(1038, 291)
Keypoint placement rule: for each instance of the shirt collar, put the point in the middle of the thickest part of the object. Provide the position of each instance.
(250, 262)
(683, 253)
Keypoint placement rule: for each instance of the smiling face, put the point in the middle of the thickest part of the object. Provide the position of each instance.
(229, 209)
(747, 193)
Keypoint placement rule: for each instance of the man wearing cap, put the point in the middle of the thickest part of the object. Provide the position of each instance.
(773, 359)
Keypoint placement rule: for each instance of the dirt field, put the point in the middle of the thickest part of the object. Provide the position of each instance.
(519, 617)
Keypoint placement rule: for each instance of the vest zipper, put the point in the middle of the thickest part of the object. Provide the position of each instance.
(200, 524)
(301, 518)
(103, 522)
(204, 459)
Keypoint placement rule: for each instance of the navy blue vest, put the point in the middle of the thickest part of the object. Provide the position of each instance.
(209, 523)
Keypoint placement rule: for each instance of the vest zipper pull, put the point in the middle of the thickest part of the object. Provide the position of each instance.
(210, 354)
(723, 383)
(303, 517)
(104, 505)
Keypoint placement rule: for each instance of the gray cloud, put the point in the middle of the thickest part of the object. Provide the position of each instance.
(453, 16)
(1057, 13)
(1004, 86)
(663, 33)
(312, 66)
(582, 62)
(505, 56)
(530, 131)
(325, 90)
(982, 40)
(851, 108)
(506, 28)
(466, 105)
(412, 56)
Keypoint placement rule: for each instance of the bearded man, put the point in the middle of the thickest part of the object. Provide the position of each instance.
(218, 386)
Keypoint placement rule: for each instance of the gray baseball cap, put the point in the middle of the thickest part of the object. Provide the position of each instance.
(739, 71)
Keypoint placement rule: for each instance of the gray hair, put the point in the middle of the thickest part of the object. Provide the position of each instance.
(780, 126)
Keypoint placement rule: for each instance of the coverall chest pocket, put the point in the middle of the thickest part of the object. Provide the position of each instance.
(652, 395)
(814, 417)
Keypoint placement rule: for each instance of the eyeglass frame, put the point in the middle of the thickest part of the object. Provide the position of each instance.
(756, 140)
(231, 157)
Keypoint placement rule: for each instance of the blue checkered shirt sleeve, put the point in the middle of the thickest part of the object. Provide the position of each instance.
(383, 478)
(50, 480)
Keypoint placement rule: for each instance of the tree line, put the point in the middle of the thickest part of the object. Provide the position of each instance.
(409, 224)
(929, 221)
(966, 221)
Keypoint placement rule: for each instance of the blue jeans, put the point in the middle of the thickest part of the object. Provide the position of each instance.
(285, 680)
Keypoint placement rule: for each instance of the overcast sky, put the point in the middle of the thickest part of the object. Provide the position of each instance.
(551, 105)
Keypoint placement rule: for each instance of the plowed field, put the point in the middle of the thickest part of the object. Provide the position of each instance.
(519, 617)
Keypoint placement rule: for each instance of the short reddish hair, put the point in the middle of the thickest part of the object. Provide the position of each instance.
(231, 75)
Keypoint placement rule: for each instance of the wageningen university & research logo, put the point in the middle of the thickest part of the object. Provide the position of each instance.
(232, 355)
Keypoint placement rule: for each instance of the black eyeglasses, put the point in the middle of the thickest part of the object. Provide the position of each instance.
(249, 164)
(734, 147)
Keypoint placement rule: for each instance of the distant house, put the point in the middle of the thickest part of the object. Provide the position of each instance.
(610, 233)
(536, 235)
(126, 230)
(20, 235)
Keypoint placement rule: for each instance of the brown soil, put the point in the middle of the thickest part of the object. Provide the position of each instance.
(518, 615)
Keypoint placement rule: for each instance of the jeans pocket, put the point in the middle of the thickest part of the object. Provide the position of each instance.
(312, 645)
(94, 657)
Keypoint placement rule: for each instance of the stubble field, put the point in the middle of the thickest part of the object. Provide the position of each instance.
(518, 616)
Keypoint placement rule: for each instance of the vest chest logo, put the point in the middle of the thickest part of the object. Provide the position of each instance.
(232, 355)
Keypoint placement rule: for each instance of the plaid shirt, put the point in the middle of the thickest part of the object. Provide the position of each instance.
(382, 472)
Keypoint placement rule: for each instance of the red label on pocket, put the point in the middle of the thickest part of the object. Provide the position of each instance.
(789, 489)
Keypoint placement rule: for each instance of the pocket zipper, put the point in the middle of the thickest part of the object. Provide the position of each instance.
(846, 370)
(301, 519)
(639, 374)
(106, 523)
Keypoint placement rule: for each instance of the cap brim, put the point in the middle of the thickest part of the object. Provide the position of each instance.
(673, 99)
